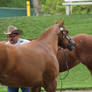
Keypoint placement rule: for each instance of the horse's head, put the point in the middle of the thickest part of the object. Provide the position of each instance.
(64, 39)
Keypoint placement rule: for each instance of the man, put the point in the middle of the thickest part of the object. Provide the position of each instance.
(13, 38)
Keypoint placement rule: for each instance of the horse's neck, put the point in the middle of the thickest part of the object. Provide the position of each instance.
(49, 35)
(67, 60)
(50, 38)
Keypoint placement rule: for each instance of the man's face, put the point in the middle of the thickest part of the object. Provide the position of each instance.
(13, 38)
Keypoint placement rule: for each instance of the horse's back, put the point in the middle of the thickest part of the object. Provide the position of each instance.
(83, 40)
(81, 36)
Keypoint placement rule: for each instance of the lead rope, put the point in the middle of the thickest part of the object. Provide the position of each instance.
(66, 73)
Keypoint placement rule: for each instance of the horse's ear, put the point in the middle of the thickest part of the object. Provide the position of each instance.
(62, 22)
(56, 21)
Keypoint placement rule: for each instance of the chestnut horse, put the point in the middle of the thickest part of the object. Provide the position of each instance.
(81, 54)
(70, 45)
(34, 64)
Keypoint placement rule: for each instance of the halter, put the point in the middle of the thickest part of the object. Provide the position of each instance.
(64, 35)
(71, 42)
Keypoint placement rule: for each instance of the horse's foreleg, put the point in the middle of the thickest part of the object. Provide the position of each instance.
(35, 89)
(51, 86)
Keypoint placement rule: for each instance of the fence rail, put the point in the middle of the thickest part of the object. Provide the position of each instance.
(13, 12)
(69, 3)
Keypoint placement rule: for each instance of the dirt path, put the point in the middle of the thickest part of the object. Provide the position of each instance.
(76, 91)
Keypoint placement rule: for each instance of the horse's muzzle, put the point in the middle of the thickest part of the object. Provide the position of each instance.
(72, 45)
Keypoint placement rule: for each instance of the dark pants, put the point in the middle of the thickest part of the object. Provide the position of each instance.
(15, 89)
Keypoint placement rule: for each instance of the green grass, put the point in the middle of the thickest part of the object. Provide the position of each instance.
(13, 3)
(79, 76)
(34, 26)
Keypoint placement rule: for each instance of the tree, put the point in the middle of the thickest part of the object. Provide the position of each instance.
(37, 7)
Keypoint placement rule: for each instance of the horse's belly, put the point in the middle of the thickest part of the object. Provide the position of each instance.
(22, 75)
(18, 81)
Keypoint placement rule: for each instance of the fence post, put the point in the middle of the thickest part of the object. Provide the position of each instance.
(68, 8)
(28, 8)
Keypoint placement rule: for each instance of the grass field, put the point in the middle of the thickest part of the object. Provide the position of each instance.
(79, 77)
(13, 3)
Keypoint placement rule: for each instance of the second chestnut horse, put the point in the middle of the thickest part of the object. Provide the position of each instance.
(81, 54)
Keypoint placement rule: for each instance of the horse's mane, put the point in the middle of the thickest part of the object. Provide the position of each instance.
(47, 31)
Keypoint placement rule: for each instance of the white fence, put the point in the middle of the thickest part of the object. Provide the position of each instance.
(69, 3)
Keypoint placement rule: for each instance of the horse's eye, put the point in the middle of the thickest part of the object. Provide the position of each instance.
(66, 31)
